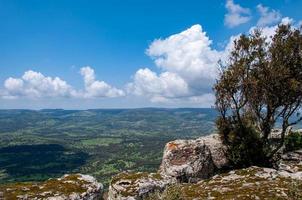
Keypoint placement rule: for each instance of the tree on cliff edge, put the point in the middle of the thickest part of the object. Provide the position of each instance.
(261, 84)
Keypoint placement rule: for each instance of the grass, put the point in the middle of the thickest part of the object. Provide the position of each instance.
(101, 141)
(66, 186)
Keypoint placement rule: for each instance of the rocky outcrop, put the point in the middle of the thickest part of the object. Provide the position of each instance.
(194, 170)
(68, 187)
(183, 161)
(250, 183)
(193, 160)
(132, 186)
(291, 165)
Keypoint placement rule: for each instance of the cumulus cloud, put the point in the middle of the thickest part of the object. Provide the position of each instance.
(188, 67)
(269, 31)
(95, 88)
(188, 54)
(35, 85)
(236, 14)
(267, 16)
(158, 87)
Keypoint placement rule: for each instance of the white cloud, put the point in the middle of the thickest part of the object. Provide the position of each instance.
(236, 14)
(35, 85)
(269, 31)
(287, 20)
(186, 62)
(267, 16)
(14, 85)
(165, 85)
(187, 54)
(95, 88)
(188, 67)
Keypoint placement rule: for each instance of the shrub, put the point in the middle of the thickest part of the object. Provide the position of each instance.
(172, 192)
(293, 141)
(245, 147)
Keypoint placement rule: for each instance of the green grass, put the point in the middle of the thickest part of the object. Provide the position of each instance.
(101, 141)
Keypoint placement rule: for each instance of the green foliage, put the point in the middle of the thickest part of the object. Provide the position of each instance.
(244, 144)
(101, 143)
(38, 162)
(293, 141)
(172, 192)
(260, 85)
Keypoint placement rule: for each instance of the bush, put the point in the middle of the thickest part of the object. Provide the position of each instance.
(293, 141)
(172, 192)
(245, 147)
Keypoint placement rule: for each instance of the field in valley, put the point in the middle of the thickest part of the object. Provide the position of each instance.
(37, 145)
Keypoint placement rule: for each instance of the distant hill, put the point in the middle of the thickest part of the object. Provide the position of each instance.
(100, 142)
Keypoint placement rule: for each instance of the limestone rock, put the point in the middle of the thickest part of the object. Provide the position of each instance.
(249, 183)
(193, 160)
(68, 187)
(135, 186)
(291, 164)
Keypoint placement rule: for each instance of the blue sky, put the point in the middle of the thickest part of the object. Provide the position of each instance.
(132, 59)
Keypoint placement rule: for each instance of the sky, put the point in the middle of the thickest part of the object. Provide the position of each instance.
(76, 54)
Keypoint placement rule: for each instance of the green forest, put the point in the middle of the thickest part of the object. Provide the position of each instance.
(37, 145)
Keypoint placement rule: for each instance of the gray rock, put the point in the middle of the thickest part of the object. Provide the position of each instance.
(290, 165)
(193, 160)
(68, 187)
(135, 186)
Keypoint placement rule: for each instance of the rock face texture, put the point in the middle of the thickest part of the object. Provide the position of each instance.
(192, 163)
(250, 183)
(132, 186)
(68, 187)
(291, 165)
(193, 160)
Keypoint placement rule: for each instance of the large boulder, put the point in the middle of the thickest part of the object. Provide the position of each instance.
(193, 160)
(135, 186)
(68, 187)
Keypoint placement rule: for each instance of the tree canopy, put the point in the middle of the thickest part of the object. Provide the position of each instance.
(261, 84)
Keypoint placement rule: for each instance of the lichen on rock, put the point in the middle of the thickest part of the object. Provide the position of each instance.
(193, 170)
(193, 160)
(250, 183)
(68, 187)
(132, 186)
